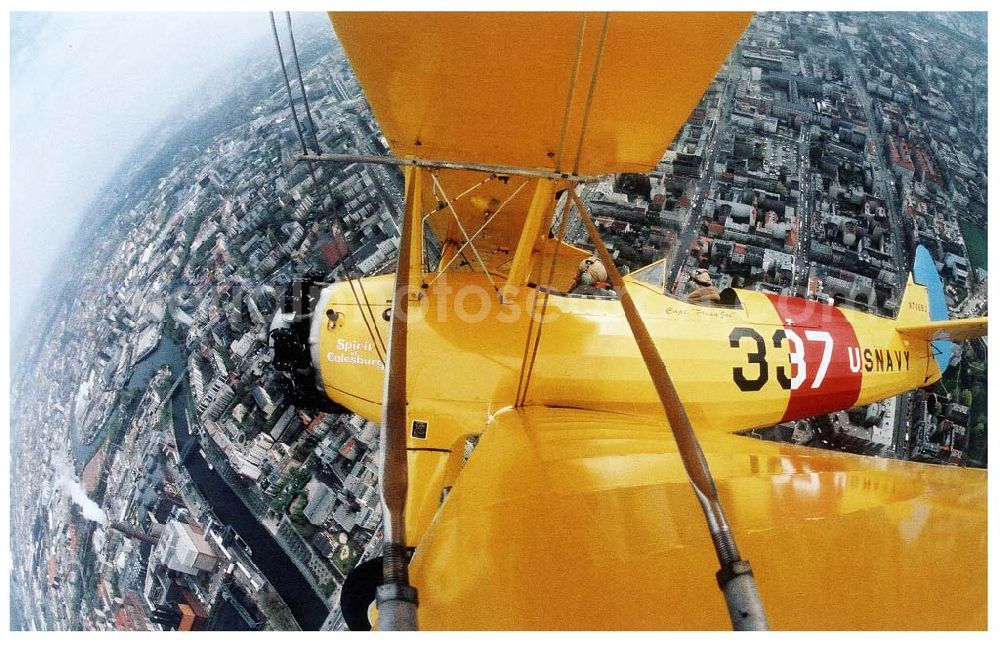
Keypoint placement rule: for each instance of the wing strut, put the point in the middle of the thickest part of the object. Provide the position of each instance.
(735, 577)
(397, 599)
(496, 169)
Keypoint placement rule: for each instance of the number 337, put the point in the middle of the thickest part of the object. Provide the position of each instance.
(796, 355)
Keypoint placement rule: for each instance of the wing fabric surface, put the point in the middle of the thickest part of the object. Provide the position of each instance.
(568, 519)
(598, 93)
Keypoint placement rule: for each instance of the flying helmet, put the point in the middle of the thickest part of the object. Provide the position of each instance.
(592, 270)
(702, 278)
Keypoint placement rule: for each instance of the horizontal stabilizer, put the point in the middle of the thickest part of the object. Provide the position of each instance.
(953, 330)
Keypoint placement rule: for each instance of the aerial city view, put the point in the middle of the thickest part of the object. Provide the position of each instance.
(171, 471)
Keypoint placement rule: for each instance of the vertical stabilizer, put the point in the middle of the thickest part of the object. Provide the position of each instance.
(923, 301)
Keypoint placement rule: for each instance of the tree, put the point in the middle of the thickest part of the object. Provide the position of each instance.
(304, 447)
(295, 511)
(277, 504)
(966, 397)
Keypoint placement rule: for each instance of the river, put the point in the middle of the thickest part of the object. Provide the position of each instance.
(308, 608)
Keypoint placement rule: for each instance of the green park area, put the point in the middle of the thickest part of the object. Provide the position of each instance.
(975, 242)
(345, 555)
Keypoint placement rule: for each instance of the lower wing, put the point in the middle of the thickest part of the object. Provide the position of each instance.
(570, 519)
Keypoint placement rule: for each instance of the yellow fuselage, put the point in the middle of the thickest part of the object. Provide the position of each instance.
(762, 362)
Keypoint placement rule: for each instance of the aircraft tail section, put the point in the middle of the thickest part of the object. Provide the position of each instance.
(923, 311)
(923, 300)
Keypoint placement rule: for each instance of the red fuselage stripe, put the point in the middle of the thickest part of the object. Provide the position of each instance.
(829, 383)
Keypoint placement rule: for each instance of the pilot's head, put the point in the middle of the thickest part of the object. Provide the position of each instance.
(701, 278)
(592, 271)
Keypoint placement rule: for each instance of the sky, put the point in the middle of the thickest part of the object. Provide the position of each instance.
(85, 88)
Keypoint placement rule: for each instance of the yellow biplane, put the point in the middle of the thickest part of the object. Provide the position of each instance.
(540, 447)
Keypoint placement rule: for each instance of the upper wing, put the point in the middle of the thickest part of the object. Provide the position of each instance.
(583, 93)
(595, 93)
(567, 519)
